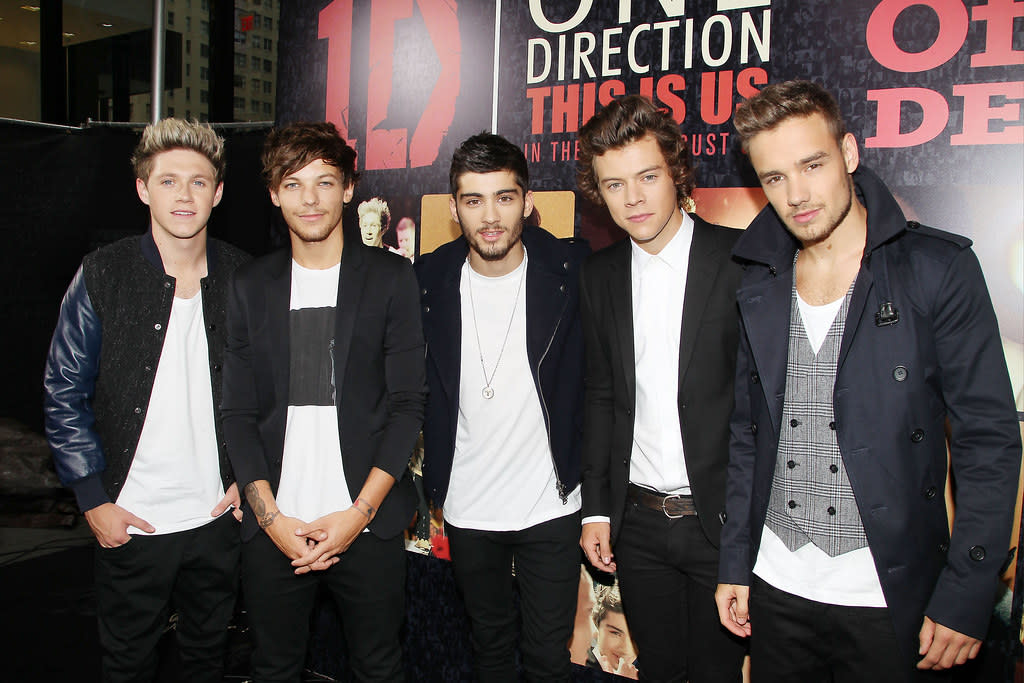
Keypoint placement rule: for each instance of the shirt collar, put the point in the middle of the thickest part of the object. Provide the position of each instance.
(676, 253)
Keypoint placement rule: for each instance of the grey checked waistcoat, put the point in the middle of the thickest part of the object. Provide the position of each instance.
(811, 499)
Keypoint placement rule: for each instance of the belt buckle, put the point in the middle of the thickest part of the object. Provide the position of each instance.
(663, 508)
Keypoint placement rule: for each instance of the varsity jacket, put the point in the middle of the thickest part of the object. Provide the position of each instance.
(104, 355)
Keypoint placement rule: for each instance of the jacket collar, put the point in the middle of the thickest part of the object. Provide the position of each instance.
(767, 241)
(152, 254)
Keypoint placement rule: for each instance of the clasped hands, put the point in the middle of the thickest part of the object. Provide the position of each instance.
(315, 546)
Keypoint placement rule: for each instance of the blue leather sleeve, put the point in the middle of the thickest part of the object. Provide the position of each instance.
(69, 384)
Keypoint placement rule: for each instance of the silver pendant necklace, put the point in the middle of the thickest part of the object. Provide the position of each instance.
(488, 391)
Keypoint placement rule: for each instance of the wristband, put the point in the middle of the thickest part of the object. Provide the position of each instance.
(368, 512)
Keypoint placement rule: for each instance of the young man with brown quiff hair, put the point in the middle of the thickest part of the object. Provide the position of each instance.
(660, 329)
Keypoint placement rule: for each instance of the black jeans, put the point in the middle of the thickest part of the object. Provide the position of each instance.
(196, 572)
(796, 639)
(547, 567)
(668, 571)
(367, 584)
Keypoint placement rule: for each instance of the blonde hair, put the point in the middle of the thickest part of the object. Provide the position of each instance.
(171, 133)
(378, 206)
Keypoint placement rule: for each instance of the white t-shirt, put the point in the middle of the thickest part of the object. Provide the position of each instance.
(174, 481)
(503, 474)
(312, 475)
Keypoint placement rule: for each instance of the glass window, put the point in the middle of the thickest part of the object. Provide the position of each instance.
(268, 65)
(256, 63)
(188, 47)
(268, 87)
(254, 105)
(170, 111)
(204, 73)
(188, 24)
(204, 28)
(239, 81)
(240, 60)
(204, 50)
(239, 103)
(268, 23)
(204, 96)
(268, 44)
(170, 22)
(267, 109)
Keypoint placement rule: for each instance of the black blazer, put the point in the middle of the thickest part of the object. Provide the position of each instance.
(707, 364)
(379, 373)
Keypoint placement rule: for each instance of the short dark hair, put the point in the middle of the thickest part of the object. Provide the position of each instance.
(780, 101)
(487, 153)
(297, 145)
(607, 600)
(622, 122)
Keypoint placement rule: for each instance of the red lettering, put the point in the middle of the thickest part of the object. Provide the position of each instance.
(998, 16)
(647, 87)
(537, 97)
(609, 90)
(443, 27)
(565, 108)
(668, 86)
(978, 111)
(335, 24)
(589, 100)
(748, 78)
(887, 131)
(882, 46)
(385, 147)
(714, 108)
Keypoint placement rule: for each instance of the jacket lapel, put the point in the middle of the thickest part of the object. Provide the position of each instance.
(764, 307)
(351, 281)
(701, 273)
(620, 294)
(446, 316)
(278, 296)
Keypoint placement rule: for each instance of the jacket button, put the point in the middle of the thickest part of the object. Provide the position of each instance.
(755, 378)
(832, 425)
(158, 327)
(917, 436)
(794, 422)
(791, 504)
(831, 510)
(138, 410)
(426, 309)
(833, 468)
(212, 327)
(771, 269)
(913, 225)
(216, 367)
(899, 373)
(561, 289)
(753, 428)
(930, 492)
(167, 285)
(149, 369)
(977, 553)
(565, 265)
(943, 547)
(791, 464)
(423, 291)
(723, 517)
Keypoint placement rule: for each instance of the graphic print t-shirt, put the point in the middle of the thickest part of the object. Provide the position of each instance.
(312, 477)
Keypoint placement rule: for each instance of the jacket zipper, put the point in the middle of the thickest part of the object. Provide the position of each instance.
(563, 493)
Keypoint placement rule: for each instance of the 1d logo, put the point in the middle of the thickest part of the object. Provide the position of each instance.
(390, 148)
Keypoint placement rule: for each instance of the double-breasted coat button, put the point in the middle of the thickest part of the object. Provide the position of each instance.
(753, 428)
(426, 309)
(138, 410)
(831, 510)
(561, 288)
(794, 422)
(158, 327)
(833, 468)
(917, 436)
(791, 464)
(899, 373)
(791, 504)
(832, 425)
(977, 553)
(931, 492)
(565, 265)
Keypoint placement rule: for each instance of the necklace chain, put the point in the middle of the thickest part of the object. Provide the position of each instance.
(487, 391)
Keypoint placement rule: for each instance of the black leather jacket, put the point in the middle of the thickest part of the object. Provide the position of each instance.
(103, 359)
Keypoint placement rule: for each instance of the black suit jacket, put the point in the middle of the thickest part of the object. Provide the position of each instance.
(378, 369)
(707, 364)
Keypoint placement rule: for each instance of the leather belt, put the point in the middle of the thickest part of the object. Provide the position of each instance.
(673, 506)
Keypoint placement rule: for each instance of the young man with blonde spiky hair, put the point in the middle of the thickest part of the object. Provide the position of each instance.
(131, 389)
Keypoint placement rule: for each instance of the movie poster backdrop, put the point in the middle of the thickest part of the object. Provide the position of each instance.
(932, 91)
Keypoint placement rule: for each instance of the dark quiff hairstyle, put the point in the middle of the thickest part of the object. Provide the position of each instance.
(780, 101)
(487, 153)
(297, 145)
(622, 122)
(170, 134)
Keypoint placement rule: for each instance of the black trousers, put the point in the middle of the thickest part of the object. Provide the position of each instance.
(547, 567)
(668, 571)
(196, 572)
(796, 639)
(368, 586)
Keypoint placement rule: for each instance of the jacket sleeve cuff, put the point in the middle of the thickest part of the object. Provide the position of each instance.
(89, 492)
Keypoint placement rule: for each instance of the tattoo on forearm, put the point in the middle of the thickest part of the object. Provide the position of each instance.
(259, 508)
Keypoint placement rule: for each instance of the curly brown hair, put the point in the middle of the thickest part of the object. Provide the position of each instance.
(622, 122)
(297, 145)
(780, 101)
